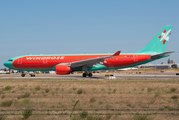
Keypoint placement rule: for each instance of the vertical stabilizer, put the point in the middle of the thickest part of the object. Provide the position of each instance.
(159, 42)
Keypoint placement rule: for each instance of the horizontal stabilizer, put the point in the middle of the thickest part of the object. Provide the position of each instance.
(160, 55)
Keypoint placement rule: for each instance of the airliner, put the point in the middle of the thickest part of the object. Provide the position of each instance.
(65, 64)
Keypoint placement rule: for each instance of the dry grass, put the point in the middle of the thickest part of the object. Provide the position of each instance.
(92, 94)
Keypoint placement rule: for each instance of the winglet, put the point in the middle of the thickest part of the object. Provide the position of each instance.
(117, 53)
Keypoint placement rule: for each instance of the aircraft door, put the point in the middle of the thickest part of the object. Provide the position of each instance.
(135, 57)
(45, 60)
(20, 61)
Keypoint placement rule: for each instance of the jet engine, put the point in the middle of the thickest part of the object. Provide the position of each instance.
(63, 69)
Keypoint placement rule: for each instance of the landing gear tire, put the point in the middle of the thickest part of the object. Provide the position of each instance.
(84, 74)
(23, 75)
(90, 74)
(32, 75)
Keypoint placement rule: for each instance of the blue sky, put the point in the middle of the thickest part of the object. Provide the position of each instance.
(81, 26)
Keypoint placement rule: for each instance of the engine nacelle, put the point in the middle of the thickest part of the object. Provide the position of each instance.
(63, 69)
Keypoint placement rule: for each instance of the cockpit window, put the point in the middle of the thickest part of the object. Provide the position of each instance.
(10, 60)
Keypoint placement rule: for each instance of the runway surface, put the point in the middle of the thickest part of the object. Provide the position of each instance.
(96, 76)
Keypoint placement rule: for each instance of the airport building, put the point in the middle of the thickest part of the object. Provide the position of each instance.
(160, 66)
(171, 61)
(156, 66)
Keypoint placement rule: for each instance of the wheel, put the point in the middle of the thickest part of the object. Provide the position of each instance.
(23, 75)
(32, 75)
(84, 74)
(90, 74)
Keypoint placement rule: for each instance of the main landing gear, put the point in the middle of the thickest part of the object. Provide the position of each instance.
(85, 74)
(32, 75)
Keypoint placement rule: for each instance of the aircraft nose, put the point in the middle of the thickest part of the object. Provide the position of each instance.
(8, 64)
(5, 64)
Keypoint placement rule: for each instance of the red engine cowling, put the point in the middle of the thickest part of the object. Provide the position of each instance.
(63, 69)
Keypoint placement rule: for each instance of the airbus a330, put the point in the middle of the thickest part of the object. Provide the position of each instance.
(67, 63)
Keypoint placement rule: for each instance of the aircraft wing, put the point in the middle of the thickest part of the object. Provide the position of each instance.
(91, 62)
(160, 55)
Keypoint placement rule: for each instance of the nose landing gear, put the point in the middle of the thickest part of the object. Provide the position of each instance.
(32, 75)
(23, 74)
